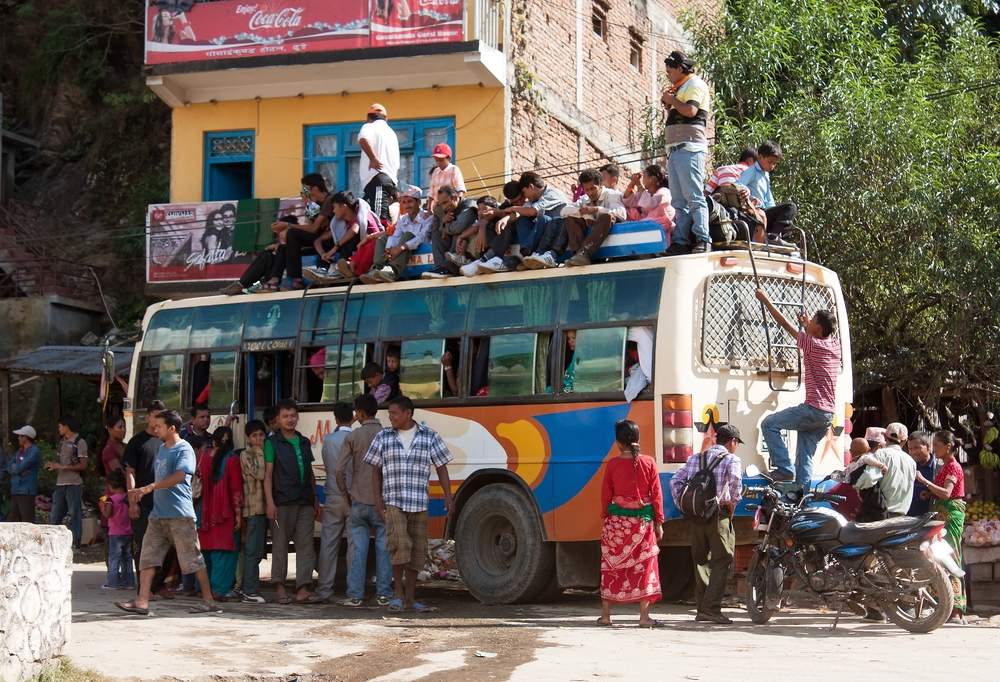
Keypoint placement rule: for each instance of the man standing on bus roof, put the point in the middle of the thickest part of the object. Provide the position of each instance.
(402, 456)
(688, 104)
(820, 365)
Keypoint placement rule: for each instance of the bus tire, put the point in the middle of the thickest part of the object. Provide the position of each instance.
(501, 554)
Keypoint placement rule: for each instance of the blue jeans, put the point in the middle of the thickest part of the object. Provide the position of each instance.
(687, 195)
(68, 498)
(360, 523)
(530, 231)
(811, 425)
(254, 552)
(121, 572)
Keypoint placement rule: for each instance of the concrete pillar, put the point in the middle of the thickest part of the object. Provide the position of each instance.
(36, 569)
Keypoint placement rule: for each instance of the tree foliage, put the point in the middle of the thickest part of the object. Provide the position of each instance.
(893, 161)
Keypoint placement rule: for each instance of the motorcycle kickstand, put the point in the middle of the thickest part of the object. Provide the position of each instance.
(836, 619)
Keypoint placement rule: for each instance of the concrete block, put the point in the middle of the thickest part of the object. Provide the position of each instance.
(36, 569)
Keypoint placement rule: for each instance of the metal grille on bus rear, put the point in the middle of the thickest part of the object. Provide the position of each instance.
(732, 324)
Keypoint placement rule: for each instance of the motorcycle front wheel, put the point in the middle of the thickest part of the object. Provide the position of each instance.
(757, 589)
(926, 599)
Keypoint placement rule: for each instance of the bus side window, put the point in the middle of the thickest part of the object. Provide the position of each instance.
(213, 379)
(638, 361)
(160, 379)
(598, 361)
(422, 368)
(509, 365)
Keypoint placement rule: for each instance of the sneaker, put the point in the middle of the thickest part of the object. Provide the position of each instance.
(470, 269)
(108, 587)
(581, 258)
(252, 599)
(494, 264)
(540, 261)
(437, 273)
(701, 247)
(458, 259)
(383, 600)
(370, 277)
(234, 289)
(321, 276)
(386, 274)
(345, 269)
(351, 603)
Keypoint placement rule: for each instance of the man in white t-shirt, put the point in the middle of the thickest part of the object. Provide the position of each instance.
(379, 167)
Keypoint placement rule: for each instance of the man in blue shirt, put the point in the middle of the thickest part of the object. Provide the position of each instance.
(919, 448)
(757, 178)
(23, 468)
(172, 521)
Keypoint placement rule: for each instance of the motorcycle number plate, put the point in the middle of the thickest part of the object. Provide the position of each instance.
(759, 522)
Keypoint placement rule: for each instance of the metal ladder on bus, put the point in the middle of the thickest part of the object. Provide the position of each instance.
(799, 305)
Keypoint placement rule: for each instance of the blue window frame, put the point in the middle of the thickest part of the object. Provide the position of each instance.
(333, 151)
(228, 172)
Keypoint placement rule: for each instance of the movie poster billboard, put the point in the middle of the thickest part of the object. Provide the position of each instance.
(193, 243)
(185, 30)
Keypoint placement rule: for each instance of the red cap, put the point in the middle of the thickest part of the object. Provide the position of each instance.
(441, 151)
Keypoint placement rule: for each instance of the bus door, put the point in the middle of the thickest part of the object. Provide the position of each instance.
(268, 354)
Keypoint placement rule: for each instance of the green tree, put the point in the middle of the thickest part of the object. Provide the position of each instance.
(893, 161)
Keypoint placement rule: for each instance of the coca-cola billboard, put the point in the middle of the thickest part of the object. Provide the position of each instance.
(184, 31)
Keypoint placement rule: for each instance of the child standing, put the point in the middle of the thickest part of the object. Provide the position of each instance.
(444, 174)
(114, 508)
(254, 510)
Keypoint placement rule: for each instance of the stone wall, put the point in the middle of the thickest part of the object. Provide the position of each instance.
(36, 569)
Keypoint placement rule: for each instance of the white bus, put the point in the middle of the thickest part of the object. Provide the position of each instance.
(529, 441)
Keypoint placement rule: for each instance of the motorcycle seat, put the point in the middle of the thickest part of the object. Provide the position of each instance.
(871, 533)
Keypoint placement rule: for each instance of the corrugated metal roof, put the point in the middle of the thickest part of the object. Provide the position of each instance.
(81, 361)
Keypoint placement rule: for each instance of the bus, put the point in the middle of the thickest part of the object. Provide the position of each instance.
(544, 359)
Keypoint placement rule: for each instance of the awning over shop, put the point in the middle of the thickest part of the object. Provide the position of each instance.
(68, 361)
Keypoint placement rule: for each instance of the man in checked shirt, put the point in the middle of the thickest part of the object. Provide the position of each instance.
(713, 542)
(402, 456)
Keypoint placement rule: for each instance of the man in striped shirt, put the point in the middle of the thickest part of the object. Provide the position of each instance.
(820, 366)
(730, 175)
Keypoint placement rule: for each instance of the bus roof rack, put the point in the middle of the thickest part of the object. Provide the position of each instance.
(770, 249)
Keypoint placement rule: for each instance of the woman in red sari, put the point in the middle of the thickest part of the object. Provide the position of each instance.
(632, 507)
(221, 512)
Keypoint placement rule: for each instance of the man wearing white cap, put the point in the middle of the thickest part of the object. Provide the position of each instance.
(379, 167)
(392, 251)
(23, 468)
(895, 477)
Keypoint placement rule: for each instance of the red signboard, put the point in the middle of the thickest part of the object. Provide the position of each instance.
(184, 31)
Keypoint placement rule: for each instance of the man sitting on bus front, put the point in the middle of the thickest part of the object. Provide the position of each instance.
(595, 212)
(497, 233)
(454, 219)
(820, 365)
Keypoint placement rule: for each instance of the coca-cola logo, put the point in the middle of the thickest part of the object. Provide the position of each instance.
(289, 17)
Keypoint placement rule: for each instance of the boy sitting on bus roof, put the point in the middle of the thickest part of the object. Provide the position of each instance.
(539, 219)
(592, 215)
(413, 230)
(497, 232)
(454, 219)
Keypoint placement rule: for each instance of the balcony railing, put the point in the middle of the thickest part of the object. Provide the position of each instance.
(235, 29)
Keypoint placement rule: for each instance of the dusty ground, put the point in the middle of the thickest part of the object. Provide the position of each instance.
(539, 642)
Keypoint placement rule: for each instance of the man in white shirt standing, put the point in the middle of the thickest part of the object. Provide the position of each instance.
(379, 167)
(898, 471)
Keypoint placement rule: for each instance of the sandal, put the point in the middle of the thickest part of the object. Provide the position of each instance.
(420, 607)
(396, 605)
(284, 599)
(205, 607)
(601, 623)
(652, 625)
(130, 607)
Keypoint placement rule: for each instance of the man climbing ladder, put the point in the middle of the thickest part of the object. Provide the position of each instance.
(821, 364)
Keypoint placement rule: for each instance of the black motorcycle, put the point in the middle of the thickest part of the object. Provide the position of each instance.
(897, 566)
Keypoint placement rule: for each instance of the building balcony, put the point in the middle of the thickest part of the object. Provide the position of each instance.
(230, 50)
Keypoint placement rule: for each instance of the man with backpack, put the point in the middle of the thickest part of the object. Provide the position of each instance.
(707, 490)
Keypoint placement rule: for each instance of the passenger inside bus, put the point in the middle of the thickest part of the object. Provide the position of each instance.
(638, 361)
(569, 360)
(391, 366)
(316, 364)
(201, 373)
(376, 384)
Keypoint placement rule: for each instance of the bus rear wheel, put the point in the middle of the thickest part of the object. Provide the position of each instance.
(502, 556)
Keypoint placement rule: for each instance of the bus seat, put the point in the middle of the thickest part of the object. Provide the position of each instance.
(421, 261)
(633, 238)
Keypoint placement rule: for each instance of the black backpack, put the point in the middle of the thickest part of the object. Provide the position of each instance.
(698, 500)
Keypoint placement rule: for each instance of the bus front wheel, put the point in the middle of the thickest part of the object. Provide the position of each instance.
(502, 557)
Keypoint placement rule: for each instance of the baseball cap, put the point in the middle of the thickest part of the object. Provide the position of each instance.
(28, 431)
(726, 432)
(411, 191)
(441, 150)
(876, 434)
(377, 108)
(896, 432)
(677, 59)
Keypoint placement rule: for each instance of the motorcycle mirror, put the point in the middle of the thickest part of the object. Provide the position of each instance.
(752, 471)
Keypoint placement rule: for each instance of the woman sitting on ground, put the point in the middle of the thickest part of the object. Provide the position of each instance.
(632, 507)
(648, 198)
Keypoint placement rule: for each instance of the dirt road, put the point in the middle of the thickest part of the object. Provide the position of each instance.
(538, 642)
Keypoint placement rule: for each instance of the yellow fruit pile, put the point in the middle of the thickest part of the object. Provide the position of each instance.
(981, 510)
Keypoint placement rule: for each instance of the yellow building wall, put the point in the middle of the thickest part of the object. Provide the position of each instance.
(280, 131)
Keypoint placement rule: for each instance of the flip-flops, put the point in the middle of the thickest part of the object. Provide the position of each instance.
(601, 623)
(420, 607)
(205, 607)
(396, 605)
(130, 607)
(652, 625)
(284, 599)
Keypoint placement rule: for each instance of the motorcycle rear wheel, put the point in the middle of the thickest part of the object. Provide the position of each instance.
(929, 586)
(757, 590)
